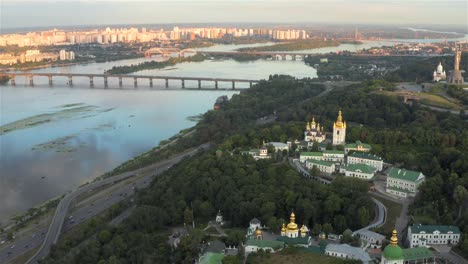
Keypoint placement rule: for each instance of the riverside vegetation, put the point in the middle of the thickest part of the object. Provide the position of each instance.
(417, 138)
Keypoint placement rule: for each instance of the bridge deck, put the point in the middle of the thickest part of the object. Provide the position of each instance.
(89, 75)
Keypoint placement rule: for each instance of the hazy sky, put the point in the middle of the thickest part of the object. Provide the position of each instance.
(30, 13)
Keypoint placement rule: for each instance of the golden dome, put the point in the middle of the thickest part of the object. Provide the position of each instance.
(283, 228)
(258, 232)
(292, 219)
(318, 126)
(313, 121)
(339, 121)
(308, 126)
(303, 229)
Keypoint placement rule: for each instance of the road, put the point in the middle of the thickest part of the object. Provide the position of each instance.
(380, 217)
(46, 237)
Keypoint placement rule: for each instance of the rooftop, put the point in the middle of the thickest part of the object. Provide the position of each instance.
(294, 241)
(274, 244)
(370, 234)
(358, 143)
(278, 144)
(365, 155)
(312, 154)
(353, 252)
(216, 246)
(406, 175)
(417, 253)
(418, 229)
(359, 167)
(211, 258)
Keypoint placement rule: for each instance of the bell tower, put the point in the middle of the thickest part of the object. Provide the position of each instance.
(339, 130)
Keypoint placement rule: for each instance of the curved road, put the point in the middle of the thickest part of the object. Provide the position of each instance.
(58, 220)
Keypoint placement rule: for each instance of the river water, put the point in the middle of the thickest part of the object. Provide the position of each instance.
(71, 135)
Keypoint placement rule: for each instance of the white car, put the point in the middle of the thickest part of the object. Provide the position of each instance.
(2, 242)
(12, 246)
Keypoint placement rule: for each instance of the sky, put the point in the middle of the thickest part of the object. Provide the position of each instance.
(43, 13)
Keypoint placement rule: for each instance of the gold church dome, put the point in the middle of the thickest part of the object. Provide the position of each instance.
(339, 121)
(292, 219)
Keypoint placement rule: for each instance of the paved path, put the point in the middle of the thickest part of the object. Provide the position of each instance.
(56, 225)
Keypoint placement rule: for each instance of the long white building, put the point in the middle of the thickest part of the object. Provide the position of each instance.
(366, 158)
(426, 235)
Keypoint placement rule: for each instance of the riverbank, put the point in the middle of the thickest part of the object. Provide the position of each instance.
(293, 46)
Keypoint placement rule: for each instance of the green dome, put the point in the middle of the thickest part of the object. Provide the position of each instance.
(393, 252)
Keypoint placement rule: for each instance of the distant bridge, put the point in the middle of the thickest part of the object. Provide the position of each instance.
(120, 77)
(167, 51)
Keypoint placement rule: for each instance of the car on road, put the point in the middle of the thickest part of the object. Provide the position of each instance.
(72, 221)
(2, 242)
(13, 246)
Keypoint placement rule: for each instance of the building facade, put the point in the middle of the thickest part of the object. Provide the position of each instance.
(339, 130)
(425, 235)
(327, 167)
(394, 254)
(403, 182)
(366, 158)
(358, 146)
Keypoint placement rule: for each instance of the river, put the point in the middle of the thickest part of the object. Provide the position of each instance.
(68, 136)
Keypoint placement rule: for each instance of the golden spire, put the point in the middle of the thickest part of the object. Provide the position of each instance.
(394, 238)
(318, 126)
(303, 229)
(292, 218)
(308, 126)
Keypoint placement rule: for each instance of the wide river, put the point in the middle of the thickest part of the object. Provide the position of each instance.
(67, 136)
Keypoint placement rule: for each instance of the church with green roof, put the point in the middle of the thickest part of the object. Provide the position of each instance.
(394, 254)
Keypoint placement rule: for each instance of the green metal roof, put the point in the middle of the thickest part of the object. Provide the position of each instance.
(261, 243)
(360, 167)
(429, 229)
(364, 155)
(417, 253)
(402, 174)
(312, 154)
(294, 241)
(321, 162)
(358, 143)
(392, 252)
(212, 258)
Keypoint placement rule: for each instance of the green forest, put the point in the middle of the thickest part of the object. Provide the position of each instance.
(151, 65)
(435, 143)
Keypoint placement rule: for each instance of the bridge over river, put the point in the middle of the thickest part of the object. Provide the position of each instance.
(120, 77)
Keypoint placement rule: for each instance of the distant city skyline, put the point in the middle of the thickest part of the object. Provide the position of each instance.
(56, 13)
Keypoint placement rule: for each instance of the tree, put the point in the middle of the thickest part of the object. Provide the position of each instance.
(327, 228)
(231, 260)
(188, 216)
(460, 195)
(104, 236)
(315, 171)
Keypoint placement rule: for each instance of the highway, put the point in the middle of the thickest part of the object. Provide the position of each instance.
(62, 220)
